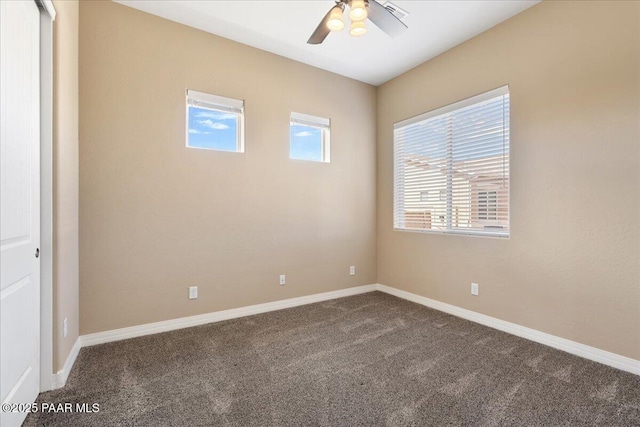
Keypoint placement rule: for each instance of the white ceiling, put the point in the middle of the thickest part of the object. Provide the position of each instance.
(283, 27)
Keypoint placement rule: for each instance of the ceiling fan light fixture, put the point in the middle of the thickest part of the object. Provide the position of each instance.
(357, 29)
(336, 21)
(358, 10)
(382, 15)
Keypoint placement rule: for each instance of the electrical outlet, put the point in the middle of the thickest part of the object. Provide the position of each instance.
(193, 292)
(64, 328)
(283, 279)
(352, 270)
(474, 289)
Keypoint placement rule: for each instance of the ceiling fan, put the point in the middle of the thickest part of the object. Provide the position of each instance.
(359, 11)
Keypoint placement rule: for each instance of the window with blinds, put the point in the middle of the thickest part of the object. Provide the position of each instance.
(451, 168)
(214, 122)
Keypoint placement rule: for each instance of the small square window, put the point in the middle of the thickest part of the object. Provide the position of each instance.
(214, 122)
(309, 138)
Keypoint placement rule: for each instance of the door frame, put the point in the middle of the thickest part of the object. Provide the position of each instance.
(47, 16)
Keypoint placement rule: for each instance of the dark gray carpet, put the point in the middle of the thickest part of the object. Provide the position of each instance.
(367, 360)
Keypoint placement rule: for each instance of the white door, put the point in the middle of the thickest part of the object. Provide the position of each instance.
(20, 205)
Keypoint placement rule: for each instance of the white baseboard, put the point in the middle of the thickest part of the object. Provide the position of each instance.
(60, 379)
(582, 350)
(218, 316)
(620, 362)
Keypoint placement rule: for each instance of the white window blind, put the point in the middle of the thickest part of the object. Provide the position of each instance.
(461, 153)
(309, 120)
(216, 102)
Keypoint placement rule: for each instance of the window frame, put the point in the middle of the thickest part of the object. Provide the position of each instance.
(490, 229)
(220, 104)
(316, 122)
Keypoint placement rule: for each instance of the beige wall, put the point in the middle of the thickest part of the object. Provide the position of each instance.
(572, 265)
(156, 217)
(65, 179)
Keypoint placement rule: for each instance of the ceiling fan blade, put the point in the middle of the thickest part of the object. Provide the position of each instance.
(322, 31)
(385, 20)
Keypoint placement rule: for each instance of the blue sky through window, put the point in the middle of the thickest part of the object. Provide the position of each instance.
(306, 142)
(211, 129)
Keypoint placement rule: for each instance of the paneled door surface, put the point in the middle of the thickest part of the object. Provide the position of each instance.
(20, 206)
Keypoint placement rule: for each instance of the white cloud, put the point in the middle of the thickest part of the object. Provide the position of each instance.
(304, 133)
(213, 125)
(198, 132)
(216, 116)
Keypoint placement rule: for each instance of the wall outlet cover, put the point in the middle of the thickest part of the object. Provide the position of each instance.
(474, 289)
